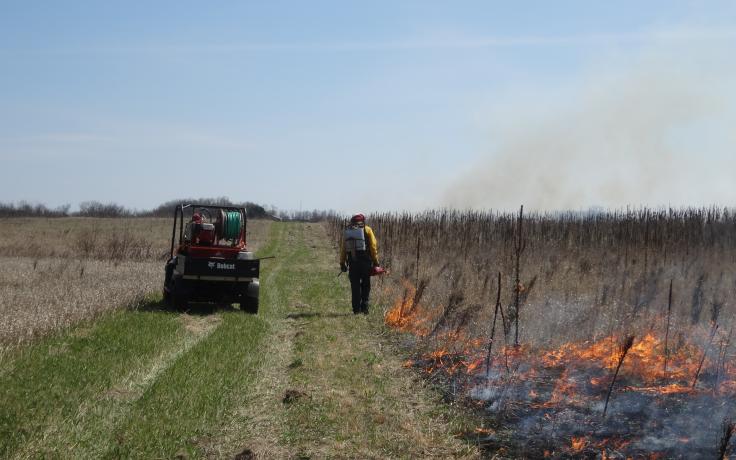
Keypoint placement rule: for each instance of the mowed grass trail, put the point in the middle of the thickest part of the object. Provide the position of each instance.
(305, 378)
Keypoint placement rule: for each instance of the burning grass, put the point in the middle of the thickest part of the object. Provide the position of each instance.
(551, 402)
(624, 324)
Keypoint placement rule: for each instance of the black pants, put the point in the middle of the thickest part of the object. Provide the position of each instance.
(360, 283)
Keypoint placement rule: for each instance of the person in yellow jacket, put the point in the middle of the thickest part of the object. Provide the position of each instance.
(359, 254)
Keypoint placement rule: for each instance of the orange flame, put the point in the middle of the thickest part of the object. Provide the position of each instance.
(407, 317)
(645, 359)
(481, 430)
(644, 367)
(578, 443)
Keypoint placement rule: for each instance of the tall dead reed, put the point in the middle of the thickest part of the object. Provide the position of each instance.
(594, 272)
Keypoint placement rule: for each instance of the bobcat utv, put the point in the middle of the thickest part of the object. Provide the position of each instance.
(210, 262)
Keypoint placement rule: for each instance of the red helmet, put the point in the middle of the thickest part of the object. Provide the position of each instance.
(358, 218)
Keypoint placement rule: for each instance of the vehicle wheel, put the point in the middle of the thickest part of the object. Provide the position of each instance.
(168, 283)
(249, 305)
(179, 296)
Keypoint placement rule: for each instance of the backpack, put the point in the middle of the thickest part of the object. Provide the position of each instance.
(354, 239)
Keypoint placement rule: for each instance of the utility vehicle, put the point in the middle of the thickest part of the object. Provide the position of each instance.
(209, 261)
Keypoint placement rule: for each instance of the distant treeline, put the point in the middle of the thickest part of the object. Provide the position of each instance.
(166, 209)
(98, 209)
(24, 209)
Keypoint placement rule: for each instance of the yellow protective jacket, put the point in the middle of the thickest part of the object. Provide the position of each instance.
(370, 242)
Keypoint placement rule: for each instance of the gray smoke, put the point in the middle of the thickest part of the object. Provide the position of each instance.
(659, 132)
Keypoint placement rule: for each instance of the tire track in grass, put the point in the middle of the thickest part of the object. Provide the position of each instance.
(93, 427)
(134, 384)
(255, 422)
(178, 412)
(41, 396)
(183, 410)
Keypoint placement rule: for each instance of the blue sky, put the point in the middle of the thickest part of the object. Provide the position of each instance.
(350, 105)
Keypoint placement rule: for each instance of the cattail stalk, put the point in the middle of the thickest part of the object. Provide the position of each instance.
(667, 331)
(727, 432)
(517, 289)
(622, 354)
(493, 328)
(705, 353)
(419, 245)
(721, 369)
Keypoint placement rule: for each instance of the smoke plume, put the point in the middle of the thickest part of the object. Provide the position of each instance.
(659, 131)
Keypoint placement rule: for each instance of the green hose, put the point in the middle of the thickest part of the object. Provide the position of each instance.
(232, 225)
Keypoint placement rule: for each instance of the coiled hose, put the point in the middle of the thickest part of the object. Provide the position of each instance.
(231, 225)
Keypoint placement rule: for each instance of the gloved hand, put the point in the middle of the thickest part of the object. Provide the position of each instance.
(343, 268)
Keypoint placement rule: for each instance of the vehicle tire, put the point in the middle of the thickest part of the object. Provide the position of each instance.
(249, 297)
(249, 305)
(168, 283)
(179, 296)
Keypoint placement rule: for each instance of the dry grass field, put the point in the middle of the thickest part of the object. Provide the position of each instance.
(55, 272)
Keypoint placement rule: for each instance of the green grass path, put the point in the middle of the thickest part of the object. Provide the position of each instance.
(305, 378)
